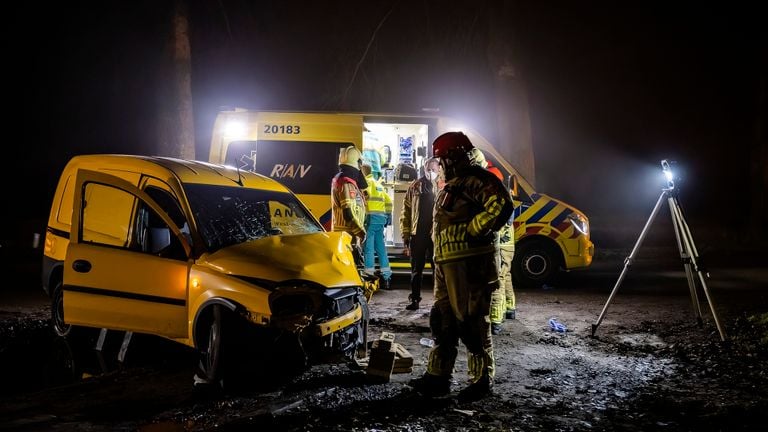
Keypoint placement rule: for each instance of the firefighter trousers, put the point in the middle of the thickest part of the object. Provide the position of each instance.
(461, 312)
(503, 299)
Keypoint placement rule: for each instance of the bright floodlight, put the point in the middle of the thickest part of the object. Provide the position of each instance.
(235, 129)
(666, 167)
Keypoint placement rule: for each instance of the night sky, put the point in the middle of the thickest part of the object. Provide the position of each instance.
(613, 88)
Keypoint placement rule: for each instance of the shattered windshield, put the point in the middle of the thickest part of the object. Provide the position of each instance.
(231, 215)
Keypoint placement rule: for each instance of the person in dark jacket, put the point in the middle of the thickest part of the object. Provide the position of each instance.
(416, 227)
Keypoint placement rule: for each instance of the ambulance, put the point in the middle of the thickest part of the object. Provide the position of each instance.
(301, 150)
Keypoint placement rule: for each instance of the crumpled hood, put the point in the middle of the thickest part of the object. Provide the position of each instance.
(324, 258)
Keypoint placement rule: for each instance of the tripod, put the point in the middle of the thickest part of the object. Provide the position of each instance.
(688, 254)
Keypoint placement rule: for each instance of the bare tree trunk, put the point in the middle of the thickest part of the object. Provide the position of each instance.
(512, 111)
(177, 130)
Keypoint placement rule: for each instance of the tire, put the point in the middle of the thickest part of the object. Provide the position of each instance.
(535, 264)
(362, 347)
(210, 349)
(57, 312)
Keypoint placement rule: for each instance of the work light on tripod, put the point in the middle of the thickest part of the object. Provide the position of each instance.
(669, 173)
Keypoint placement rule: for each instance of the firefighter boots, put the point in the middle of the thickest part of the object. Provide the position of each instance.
(431, 385)
(495, 328)
(477, 390)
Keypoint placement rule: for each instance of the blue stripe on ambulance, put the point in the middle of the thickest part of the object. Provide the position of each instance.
(541, 212)
(560, 218)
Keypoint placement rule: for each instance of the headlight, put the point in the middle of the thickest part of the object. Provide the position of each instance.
(579, 222)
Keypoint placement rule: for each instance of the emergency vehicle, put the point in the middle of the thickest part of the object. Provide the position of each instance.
(301, 150)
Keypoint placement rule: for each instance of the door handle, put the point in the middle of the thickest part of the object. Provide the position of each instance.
(81, 266)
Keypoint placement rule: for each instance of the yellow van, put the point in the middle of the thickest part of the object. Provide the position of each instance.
(212, 257)
(301, 151)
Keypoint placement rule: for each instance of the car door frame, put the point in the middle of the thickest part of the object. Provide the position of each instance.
(109, 304)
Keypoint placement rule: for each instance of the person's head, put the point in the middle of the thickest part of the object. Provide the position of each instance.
(351, 156)
(453, 149)
(366, 169)
(478, 158)
(432, 168)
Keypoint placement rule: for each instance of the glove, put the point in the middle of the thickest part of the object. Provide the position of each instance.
(389, 220)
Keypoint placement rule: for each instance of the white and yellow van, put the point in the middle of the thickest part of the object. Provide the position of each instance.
(301, 151)
(222, 260)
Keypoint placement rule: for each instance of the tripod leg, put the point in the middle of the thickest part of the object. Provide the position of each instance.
(687, 238)
(685, 257)
(628, 261)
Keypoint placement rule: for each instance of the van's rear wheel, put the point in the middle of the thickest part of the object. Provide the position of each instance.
(535, 263)
(60, 327)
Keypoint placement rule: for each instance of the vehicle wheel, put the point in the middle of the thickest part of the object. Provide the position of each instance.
(535, 263)
(362, 347)
(209, 347)
(57, 312)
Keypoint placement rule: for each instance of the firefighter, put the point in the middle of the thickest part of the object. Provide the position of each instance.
(506, 254)
(416, 227)
(466, 217)
(503, 299)
(347, 200)
(378, 216)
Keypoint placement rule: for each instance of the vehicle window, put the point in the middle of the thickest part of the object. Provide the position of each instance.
(523, 196)
(167, 202)
(65, 206)
(106, 215)
(153, 236)
(232, 215)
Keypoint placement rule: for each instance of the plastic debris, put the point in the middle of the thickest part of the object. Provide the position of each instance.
(557, 326)
(427, 342)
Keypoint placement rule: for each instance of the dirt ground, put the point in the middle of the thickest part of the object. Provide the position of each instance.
(649, 366)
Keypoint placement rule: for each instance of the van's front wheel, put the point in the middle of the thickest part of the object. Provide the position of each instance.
(535, 263)
(209, 347)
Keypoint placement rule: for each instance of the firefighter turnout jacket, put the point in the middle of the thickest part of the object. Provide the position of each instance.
(465, 215)
(345, 195)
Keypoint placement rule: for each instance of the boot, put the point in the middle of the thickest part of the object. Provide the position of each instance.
(386, 285)
(414, 303)
(477, 390)
(431, 385)
(510, 315)
(495, 328)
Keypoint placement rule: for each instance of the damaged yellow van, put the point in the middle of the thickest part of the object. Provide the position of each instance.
(221, 260)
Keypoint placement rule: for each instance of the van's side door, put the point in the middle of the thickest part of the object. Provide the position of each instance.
(127, 263)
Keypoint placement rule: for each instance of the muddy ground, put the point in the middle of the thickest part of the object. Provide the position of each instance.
(650, 366)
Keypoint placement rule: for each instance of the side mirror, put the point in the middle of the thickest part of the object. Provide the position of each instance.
(513, 187)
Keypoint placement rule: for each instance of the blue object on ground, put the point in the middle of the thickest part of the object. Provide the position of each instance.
(557, 326)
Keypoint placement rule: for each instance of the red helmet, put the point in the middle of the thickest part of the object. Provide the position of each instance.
(452, 145)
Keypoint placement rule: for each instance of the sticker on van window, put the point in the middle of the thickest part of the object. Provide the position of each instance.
(282, 129)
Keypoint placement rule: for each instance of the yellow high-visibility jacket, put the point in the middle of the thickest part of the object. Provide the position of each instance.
(378, 200)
